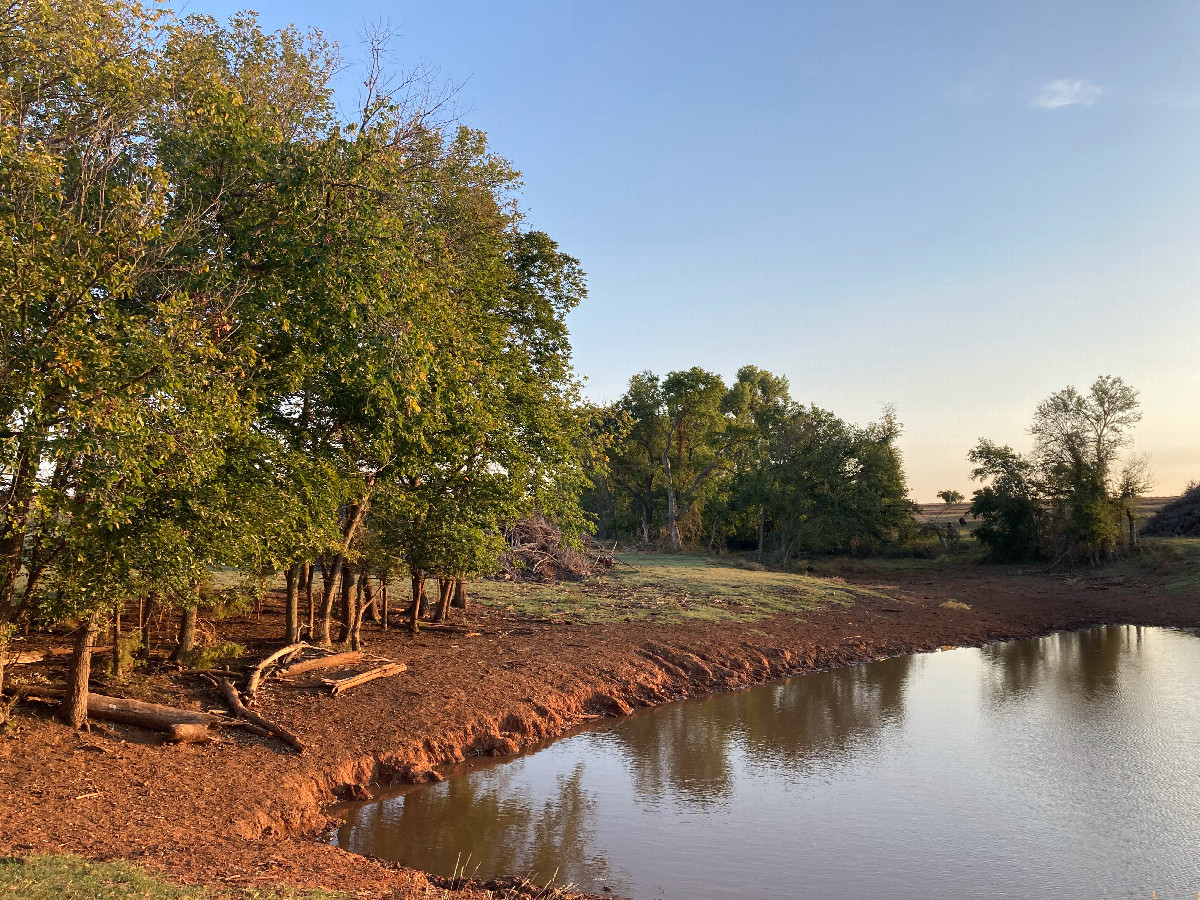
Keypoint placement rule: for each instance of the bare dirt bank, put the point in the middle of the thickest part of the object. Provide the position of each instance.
(246, 812)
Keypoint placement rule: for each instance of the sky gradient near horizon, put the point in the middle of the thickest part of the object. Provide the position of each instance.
(956, 208)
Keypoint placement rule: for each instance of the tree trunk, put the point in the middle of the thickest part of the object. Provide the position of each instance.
(1132, 530)
(445, 591)
(460, 595)
(74, 706)
(347, 608)
(360, 609)
(149, 612)
(383, 599)
(114, 664)
(329, 577)
(5, 630)
(418, 592)
(186, 641)
(672, 508)
(762, 530)
(370, 601)
(291, 609)
(309, 570)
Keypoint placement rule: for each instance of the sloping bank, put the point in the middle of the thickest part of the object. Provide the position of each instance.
(245, 813)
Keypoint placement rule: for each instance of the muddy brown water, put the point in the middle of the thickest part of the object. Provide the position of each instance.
(1066, 766)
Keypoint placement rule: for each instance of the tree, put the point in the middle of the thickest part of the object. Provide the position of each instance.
(950, 497)
(1070, 496)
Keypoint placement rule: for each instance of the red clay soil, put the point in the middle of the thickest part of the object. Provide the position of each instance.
(247, 812)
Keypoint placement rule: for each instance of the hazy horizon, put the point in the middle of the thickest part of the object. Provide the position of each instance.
(956, 210)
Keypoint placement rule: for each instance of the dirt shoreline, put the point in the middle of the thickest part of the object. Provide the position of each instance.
(246, 812)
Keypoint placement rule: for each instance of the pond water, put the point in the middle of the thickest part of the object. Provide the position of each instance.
(1067, 766)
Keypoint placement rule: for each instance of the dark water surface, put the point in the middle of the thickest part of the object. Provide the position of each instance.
(1067, 766)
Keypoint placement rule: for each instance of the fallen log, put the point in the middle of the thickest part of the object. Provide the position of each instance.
(238, 709)
(153, 716)
(256, 673)
(190, 734)
(449, 629)
(327, 662)
(341, 685)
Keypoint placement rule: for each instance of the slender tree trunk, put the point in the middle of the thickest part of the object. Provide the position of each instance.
(762, 530)
(186, 641)
(383, 598)
(418, 594)
(460, 595)
(1132, 530)
(309, 570)
(329, 579)
(672, 508)
(74, 705)
(347, 608)
(6, 629)
(291, 608)
(114, 664)
(149, 612)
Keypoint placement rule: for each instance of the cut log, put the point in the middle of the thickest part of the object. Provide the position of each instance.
(256, 673)
(190, 734)
(342, 685)
(133, 712)
(238, 709)
(327, 662)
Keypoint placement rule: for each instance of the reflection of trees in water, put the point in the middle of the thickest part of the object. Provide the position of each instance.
(813, 722)
(563, 834)
(1087, 664)
(483, 824)
(470, 822)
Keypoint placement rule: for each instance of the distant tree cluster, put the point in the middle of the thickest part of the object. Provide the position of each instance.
(692, 462)
(240, 329)
(1071, 498)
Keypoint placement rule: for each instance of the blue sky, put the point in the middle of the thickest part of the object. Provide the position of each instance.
(957, 208)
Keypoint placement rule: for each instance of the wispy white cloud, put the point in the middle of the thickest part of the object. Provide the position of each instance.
(1067, 92)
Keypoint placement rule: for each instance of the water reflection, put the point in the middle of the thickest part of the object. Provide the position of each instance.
(1086, 664)
(687, 752)
(1062, 763)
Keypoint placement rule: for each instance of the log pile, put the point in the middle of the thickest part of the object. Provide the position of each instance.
(1179, 518)
(538, 551)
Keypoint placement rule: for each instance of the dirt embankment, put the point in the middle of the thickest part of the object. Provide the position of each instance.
(246, 812)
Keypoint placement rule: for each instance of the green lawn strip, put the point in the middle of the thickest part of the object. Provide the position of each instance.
(67, 877)
(671, 588)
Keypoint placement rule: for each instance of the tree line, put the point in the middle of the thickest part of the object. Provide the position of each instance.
(690, 461)
(244, 329)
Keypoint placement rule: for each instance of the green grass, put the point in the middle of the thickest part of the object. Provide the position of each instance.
(1175, 559)
(66, 877)
(671, 588)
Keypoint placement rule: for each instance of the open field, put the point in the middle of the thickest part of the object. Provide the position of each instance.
(533, 662)
(666, 588)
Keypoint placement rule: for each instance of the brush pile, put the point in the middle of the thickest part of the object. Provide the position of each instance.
(538, 551)
(1179, 518)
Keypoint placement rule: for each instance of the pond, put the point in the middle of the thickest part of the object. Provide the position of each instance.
(1067, 766)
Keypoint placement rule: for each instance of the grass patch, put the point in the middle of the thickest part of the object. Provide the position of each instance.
(671, 588)
(1174, 560)
(67, 877)
(954, 604)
